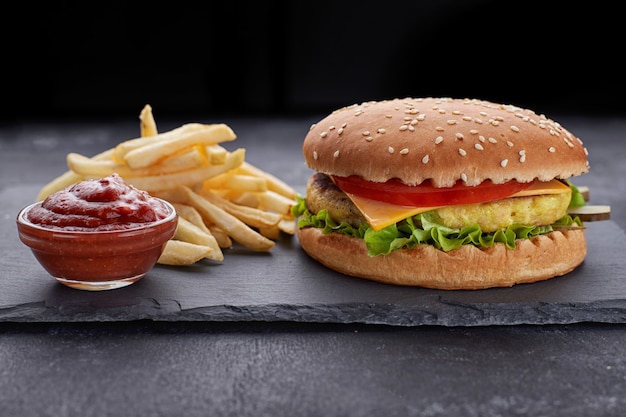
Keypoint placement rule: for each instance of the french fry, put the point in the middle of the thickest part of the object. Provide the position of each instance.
(152, 153)
(244, 198)
(191, 214)
(273, 201)
(178, 253)
(156, 183)
(233, 181)
(92, 168)
(249, 215)
(121, 149)
(147, 125)
(268, 201)
(189, 232)
(235, 228)
(221, 236)
(271, 232)
(287, 225)
(215, 154)
(274, 183)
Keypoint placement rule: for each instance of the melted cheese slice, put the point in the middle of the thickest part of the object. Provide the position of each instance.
(380, 214)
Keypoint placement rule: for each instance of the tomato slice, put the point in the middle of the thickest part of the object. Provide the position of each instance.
(425, 195)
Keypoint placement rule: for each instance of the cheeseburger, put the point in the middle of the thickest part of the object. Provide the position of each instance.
(442, 193)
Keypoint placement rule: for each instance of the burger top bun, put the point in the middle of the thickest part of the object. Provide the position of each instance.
(443, 140)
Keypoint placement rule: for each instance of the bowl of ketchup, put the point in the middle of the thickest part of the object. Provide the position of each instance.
(98, 234)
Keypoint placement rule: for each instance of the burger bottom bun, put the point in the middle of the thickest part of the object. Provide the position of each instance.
(467, 268)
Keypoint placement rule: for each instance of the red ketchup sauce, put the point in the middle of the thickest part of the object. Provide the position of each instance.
(98, 205)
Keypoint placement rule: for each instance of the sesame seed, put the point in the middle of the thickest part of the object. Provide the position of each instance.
(439, 129)
(467, 118)
(324, 134)
(358, 112)
(390, 149)
(451, 122)
(508, 142)
(411, 128)
(425, 159)
(366, 133)
(479, 146)
(504, 162)
(514, 128)
(552, 149)
(438, 140)
(462, 152)
(381, 130)
(479, 121)
(404, 127)
(369, 138)
(474, 132)
(344, 125)
(459, 136)
(331, 128)
(492, 140)
(404, 151)
(481, 138)
(315, 155)
(340, 131)
(464, 176)
(312, 126)
(336, 154)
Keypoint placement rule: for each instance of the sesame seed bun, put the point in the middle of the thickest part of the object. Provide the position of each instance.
(467, 268)
(443, 140)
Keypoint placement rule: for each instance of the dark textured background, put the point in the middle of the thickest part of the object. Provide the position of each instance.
(72, 60)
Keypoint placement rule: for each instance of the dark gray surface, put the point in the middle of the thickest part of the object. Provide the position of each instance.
(286, 285)
(71, 353)
(308, 370)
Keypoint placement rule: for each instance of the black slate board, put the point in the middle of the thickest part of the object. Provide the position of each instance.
(286, 285)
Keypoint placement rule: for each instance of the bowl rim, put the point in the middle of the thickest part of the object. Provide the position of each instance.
(22, 220)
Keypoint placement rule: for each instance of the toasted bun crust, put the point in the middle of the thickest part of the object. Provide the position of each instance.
(466, 268)
(443, 140)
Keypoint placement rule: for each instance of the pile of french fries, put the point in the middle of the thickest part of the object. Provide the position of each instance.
(219, 197)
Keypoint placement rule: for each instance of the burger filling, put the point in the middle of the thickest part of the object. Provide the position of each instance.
(449, 227)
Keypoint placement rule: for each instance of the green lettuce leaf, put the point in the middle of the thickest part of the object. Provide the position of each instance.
(577, 198)
(423, 229)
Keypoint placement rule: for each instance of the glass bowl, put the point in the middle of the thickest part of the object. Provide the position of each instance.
(97, 260)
